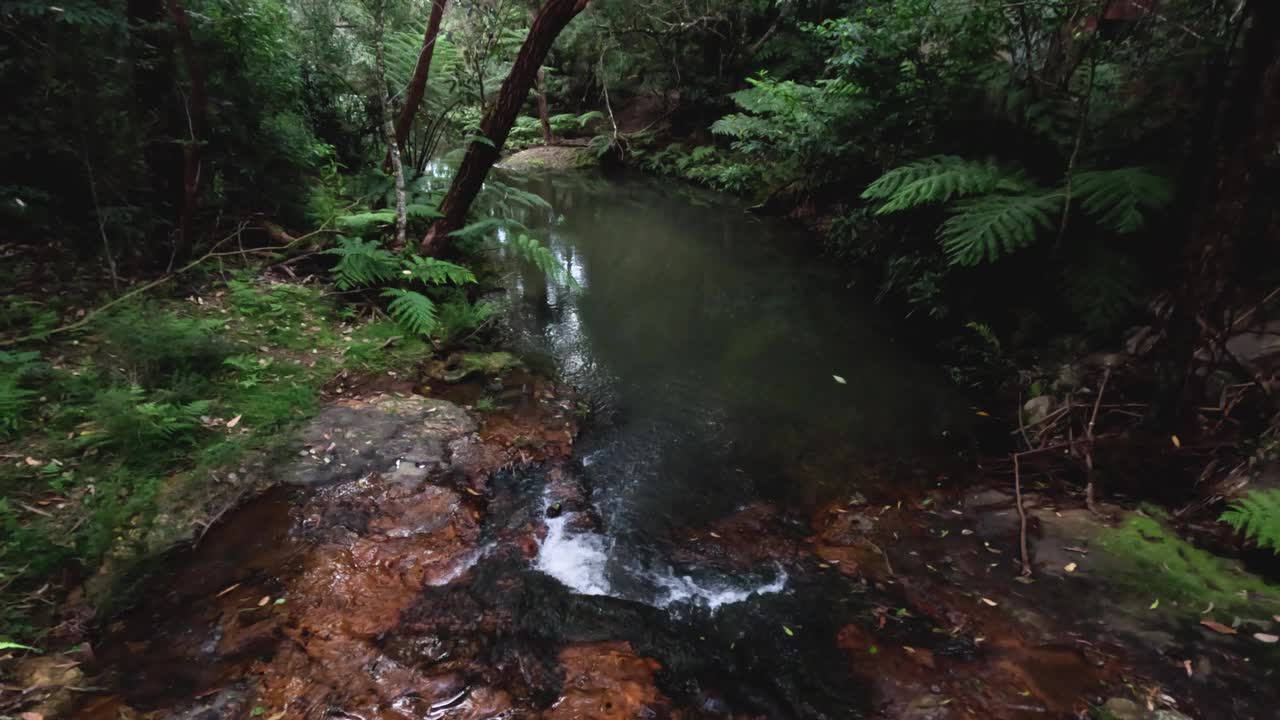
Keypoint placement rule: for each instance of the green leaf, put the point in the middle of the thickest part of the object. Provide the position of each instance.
(414, 312)
(8, 645)
(991, 227)
(1121, 200)
(939, 179)
(787, 630)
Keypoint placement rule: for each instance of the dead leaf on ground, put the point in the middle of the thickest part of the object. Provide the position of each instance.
(1266, 638)
(265, 599)
(1219, 627)
(1186, 664)
(1071, 567)
(31, 716)
(227, 590)
(1176, 442)
(234, 421)
(992, 603)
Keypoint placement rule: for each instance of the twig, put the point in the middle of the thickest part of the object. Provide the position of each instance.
(1017, 494)
(1090, 498)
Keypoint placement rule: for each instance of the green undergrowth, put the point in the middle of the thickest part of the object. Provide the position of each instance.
(127, 438)
(1149, 561)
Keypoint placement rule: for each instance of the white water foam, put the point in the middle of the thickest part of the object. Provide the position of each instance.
(580, 561)
(577, 560)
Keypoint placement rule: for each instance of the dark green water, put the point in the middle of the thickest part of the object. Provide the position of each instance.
(708, 343)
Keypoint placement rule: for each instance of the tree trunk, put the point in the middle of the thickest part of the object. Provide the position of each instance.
(496, 125)
(548, 138)
(1234, 217)
(197, 119)
(421, 72)
(393, 147)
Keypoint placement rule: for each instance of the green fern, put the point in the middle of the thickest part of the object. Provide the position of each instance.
(987, 228)
(14, 401)
(430, 271)
(1121, 199)
(363, 263)
(1257, 516)
(413, 311)
(540, 256)
(482, 228)
(939, 179)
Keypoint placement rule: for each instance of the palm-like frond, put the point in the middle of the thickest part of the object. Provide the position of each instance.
(1122, 199)
(988, 228)
(939, 179)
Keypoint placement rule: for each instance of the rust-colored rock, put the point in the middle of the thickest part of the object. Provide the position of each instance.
(606, 681)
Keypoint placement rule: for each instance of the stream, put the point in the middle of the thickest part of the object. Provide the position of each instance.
(713, 511)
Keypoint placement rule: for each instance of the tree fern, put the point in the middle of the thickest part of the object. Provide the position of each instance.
(430, 271)
(1257, 516)
(413, 311)
(939, 179)
(362, 263)
(987, 228)
(1122, 199)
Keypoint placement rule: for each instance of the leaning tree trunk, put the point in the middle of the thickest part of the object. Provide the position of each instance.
(393, 148)
(551, 19)
(197, 118)
(418, 84)
(1234, 216)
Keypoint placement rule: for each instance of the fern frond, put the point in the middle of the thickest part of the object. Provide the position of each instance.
(541, 257)
(431, 271)
(362, 263)
(1122, 199)
(988, 228)
(481, 228)
(1257, 516)
(412, 311)
(13, 402)
(939, 179)
(1102, 288)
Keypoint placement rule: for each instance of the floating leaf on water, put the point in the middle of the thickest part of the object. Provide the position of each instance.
(1071, 567)
(992, 603)
(714, 535)
(1266, 638)
(1155, 604)
(1218, 627)
(787, 630)
(265, 599)
(474, 492)
(983, 413)
(840, 380)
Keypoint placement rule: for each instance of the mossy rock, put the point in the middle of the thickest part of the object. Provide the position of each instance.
(463, 365)
(1147, 559)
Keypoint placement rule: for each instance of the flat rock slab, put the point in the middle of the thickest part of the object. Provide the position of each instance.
(403, 438)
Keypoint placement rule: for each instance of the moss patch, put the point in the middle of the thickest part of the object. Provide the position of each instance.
(1147, 559)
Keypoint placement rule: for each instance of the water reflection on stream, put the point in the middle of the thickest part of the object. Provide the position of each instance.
(725, 363)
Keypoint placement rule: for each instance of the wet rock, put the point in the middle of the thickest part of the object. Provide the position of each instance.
(405, 439)
(741, 541)
(48, 681)
(607, 681)
(1260, 347)
(227, 704)
(1123, 709)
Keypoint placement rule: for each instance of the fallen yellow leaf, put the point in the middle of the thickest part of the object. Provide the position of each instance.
(234, 421)
(1176, 442)
(992, 603)
(1071, 567)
